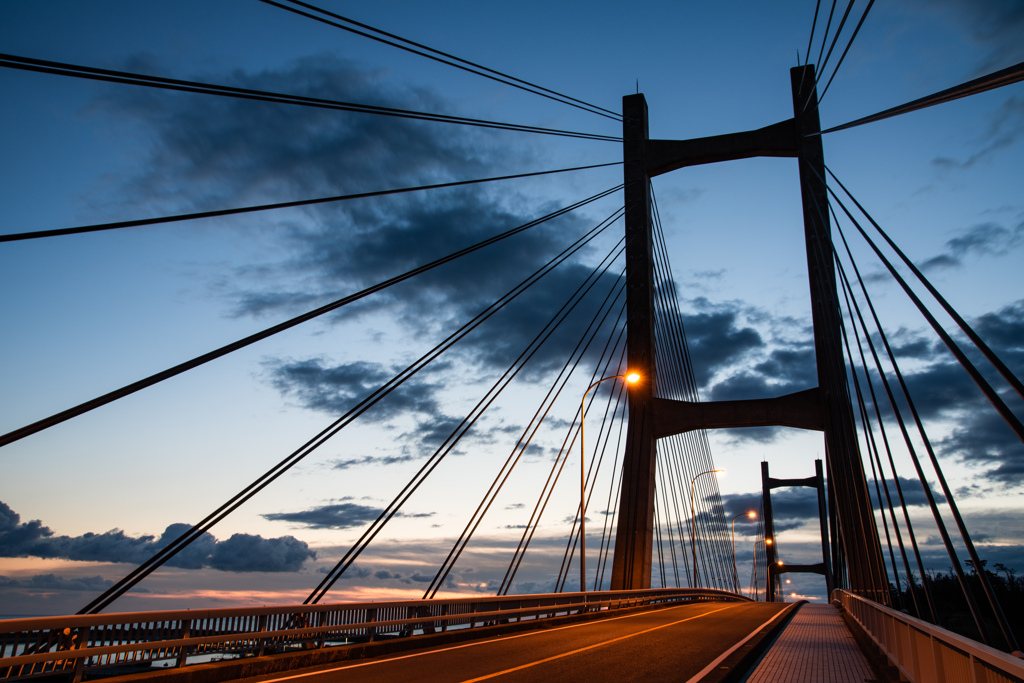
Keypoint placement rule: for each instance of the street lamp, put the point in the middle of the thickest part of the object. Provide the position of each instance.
(693, 523)
(632, 378)
(751, 515)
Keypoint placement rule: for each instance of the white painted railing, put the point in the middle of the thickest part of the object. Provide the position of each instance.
(925, 653)
(77, 643)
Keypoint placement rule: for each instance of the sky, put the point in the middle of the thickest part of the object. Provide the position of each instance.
(85, 314)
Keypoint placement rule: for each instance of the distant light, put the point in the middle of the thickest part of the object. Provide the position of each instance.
(633, 377)
(788, 581)
(752, 514)
(780, 563)
(768, 541)
(719, 471)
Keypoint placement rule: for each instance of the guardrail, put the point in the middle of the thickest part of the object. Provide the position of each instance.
(75, 644)
(925, 652)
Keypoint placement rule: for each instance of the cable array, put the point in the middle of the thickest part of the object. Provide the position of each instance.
(835, 38)
(903, 403)
(682, 457)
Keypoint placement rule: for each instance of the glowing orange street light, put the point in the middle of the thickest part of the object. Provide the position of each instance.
(631, 378)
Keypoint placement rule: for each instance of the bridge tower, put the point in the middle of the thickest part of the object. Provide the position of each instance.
(634, 535)
(824, 408)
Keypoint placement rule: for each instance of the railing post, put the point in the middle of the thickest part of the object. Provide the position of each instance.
(79, 641)
(186, 632)
(261, 626)
(371, 616)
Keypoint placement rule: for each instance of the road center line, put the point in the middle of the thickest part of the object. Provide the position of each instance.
(591, 647)
(479, 642)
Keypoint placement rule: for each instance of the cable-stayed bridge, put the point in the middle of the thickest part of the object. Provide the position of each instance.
(664, 523)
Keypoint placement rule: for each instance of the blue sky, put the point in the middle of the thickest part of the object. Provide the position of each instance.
(86, 314)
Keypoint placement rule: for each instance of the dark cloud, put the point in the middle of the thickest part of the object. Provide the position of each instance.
(92, 584)
(434, 432)
(207, 152)
(1005, 127)
(211, 150)
(786, 370)
(240, 553)
(944, 393)
(354, 572)
(990, 239)
(788, 504)
(908, 344)
(913, 492)
(334, 389)
(984, 438)
(372, 460)
(341, 515)
(716, 339)
(249, 553)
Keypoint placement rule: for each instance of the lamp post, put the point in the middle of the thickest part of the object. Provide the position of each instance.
(751, 515)
(632, 378)
(693, 523)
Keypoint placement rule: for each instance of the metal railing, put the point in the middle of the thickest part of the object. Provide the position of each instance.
(925, 652)
(79, 643)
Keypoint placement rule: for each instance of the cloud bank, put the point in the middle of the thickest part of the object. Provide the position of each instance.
(239, 553)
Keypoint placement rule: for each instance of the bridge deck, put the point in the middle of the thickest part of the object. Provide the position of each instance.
(816, 646)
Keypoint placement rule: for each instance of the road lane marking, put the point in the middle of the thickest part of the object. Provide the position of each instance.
(710, 667)
(590, 647)
(476, 643)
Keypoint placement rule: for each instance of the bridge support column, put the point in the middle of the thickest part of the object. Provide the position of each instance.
(634, 535)
(855, 519)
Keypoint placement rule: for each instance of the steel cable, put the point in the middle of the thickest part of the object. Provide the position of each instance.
(442, 57)
(37, 234)
(129, 78)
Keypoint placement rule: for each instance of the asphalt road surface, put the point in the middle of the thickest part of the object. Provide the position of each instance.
(670, 644)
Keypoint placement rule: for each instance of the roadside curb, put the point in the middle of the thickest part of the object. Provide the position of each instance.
(736, 666)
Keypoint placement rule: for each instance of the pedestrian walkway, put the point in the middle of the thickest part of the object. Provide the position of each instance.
(815, 647)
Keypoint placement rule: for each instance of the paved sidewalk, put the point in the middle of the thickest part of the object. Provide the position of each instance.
(816, 646)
